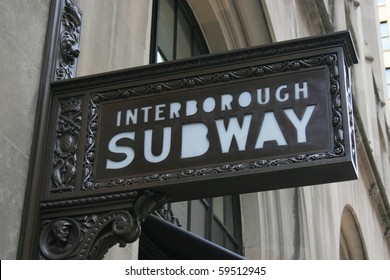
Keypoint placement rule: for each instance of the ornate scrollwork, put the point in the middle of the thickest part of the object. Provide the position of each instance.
(69, 110)
(329, 60)
(114, 227)
(66, 145)
(90, 236)
(149, 202)
(69, 41)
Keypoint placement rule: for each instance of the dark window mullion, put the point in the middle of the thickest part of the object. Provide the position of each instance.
(237, 233)
(154, 32)
(227, 234)
(192, 41)
(189, 216)
(175, 30)
(226, 216)
(209, 219)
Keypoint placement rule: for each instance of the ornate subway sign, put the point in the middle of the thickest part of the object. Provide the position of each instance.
(257, 119)
(210, 126)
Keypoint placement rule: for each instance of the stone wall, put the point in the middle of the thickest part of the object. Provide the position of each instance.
(23, 29)
(114, 35)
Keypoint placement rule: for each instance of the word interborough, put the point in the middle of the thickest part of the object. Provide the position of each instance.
(244, 119)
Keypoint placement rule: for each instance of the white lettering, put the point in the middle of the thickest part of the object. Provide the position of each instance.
(174, 110)
(131, 116)
(191, 108)
(233, 129)
(278, 92)
(194, 140)
(118, 118)
(302, 90)
(114, 148)
(146, 113)
(209, 104)
(260, 99)
(166, 146)
(159, 111)
(226, 102)
(300, 124)
(245, 99)
(270, 131)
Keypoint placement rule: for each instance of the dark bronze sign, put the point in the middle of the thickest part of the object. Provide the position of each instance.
(257, 119)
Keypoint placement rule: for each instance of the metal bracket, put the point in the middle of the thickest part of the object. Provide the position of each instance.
(91, 235)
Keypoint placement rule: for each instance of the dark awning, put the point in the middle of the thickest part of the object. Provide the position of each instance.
(163, 240)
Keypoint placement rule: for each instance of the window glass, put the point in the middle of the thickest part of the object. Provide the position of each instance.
(198, 222)
(229, 215)
(183, 37)
(218, 207)
(166, 27)
(388, 91)
(384, 29)
(388, 81)
(160, 57)
(178, 33)
(217, 233)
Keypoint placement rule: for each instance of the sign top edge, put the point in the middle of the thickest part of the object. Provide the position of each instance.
(319, 42)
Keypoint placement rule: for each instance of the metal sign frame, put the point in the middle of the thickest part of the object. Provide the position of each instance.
(82, 214)
(78, 104)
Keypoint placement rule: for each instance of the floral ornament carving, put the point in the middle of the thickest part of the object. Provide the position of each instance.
(66, 145)
(69, 110)
(69, 41)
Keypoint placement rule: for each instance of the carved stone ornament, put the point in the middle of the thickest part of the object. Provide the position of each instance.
(69, 41)
(66, 145)
(374, 192)
(59, 238)
(387, 234)
(91, 236)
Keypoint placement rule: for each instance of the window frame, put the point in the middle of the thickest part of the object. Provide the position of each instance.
(196, 32)
(384, 33)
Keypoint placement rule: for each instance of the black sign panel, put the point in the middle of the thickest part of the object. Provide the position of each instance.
(257, 119)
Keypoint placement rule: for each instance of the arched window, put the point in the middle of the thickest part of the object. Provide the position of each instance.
(351, 241)
(175, 33)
